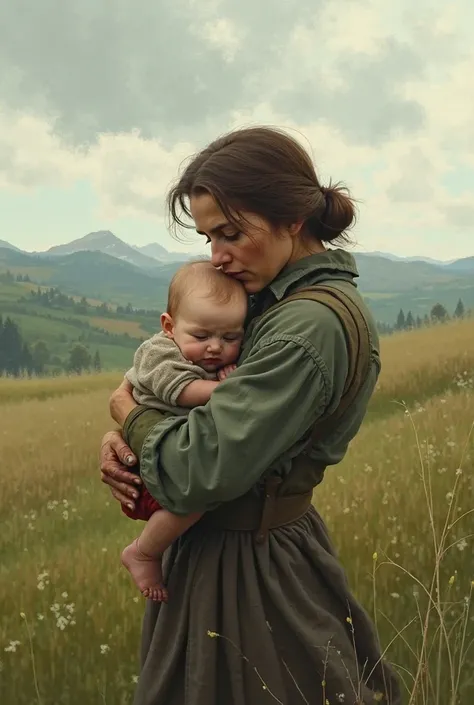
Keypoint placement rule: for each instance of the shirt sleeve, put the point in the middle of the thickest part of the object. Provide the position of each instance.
(222, 449)
(159, 368)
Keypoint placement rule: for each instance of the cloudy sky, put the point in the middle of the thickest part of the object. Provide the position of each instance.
(101, 100)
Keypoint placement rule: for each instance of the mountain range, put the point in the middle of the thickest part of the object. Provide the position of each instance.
(145, 257)
(102, 266)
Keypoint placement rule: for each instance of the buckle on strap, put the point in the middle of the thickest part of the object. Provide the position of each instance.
(271, 485)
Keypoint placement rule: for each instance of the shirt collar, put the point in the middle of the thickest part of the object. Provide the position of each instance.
(331, 264)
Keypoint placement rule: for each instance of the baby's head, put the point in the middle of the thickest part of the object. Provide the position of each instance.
(205, 315)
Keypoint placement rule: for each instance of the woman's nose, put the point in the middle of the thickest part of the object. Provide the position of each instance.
(219, 256)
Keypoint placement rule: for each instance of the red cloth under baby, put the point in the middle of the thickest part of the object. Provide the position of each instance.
(145, 506)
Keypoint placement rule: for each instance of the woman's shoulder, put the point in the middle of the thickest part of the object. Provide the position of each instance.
(319, 324)
(303, 321)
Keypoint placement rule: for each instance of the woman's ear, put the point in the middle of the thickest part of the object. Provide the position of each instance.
(295, 229)
(167, 325)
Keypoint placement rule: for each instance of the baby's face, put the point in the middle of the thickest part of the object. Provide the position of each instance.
(207, 333)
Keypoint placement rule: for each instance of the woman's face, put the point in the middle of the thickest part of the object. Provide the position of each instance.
(254, 255)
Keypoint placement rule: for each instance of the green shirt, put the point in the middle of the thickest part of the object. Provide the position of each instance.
(291, 370)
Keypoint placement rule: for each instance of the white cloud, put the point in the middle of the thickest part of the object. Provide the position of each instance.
(129, 173)
(398, 141)
(223, 34)
(132, 174)
(31, 154)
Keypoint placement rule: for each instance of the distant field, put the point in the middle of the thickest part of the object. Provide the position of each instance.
(400, 509)
(133, 328)
(386, 305)
(60, 328)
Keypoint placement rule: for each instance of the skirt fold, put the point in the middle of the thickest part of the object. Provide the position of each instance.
(250, 624)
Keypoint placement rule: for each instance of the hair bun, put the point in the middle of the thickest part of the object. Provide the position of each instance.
(338, 215)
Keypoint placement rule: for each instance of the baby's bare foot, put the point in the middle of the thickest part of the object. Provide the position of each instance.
(146, 572)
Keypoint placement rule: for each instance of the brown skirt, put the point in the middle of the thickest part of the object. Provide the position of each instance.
(252, 624)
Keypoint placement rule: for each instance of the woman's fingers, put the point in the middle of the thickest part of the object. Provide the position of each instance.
(115, 472)
(123, 499)
(113, 444)
(115, 455)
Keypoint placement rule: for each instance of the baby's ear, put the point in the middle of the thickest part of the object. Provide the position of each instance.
(167, 325)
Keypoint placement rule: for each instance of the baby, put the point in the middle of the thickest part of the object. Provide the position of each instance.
(176, 370)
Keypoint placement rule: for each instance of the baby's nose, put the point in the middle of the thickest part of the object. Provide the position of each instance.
(215, 344)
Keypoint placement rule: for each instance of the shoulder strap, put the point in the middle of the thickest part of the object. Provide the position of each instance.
(358, 341)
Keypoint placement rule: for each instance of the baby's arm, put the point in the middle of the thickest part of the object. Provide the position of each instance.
(199, 392)
(196, 393)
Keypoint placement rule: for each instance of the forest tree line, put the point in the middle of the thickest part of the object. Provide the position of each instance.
(18, 358)
(438, 314)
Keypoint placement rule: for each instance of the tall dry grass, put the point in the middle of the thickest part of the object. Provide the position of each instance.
(23, 389)
(422, 363)
(399, 509)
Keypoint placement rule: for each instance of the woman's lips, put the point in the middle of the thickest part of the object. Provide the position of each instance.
(236, 275)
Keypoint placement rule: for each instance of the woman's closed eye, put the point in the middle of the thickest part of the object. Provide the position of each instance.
(232, 236)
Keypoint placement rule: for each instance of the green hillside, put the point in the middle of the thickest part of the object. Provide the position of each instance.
(93, 274)
(114, 335)
(108, 321)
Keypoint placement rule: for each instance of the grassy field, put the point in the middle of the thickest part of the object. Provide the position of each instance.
(399, 509)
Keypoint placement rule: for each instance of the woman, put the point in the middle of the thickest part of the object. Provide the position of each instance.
(260, 609)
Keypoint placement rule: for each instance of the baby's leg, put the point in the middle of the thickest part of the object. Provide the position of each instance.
(143, 557)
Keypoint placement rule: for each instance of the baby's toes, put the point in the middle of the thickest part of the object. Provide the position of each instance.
(157, 595)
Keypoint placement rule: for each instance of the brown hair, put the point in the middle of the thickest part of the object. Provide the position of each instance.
(202, 275)
(264, 171)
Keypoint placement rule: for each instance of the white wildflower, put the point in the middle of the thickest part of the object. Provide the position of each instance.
(62, 622)
(104, 648)
(12, 647)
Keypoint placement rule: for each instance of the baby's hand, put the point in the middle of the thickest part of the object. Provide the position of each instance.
(224, 372)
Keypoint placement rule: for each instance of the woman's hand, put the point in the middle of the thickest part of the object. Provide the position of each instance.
(121, 402)
(115, 456)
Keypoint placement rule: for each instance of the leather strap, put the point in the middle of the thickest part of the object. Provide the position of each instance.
(258, 513)
(253, 512)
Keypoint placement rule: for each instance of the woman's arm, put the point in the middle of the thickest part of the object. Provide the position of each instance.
(222, 449)
(121, 402)
(255, 416)
(115, 455)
